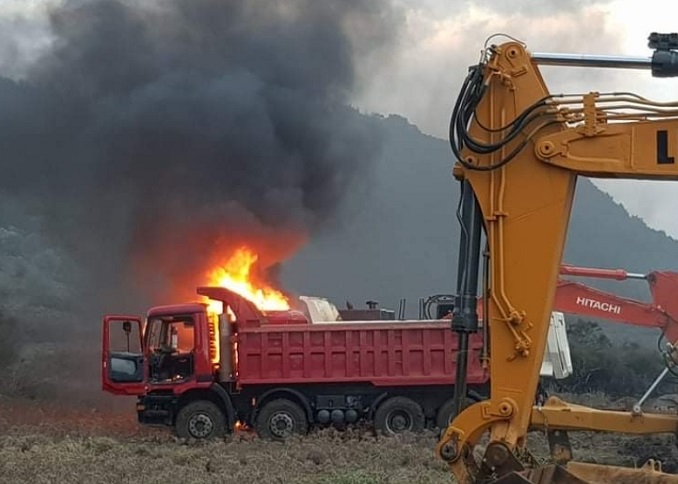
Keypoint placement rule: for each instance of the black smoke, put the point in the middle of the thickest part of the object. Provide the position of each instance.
(153, 135)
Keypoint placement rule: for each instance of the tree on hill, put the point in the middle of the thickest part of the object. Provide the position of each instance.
(601, 366)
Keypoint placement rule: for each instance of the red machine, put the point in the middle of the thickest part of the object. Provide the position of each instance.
(281, 372)
(576, 298)
(662, 312)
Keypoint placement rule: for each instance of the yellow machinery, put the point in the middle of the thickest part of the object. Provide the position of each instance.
(519, 150)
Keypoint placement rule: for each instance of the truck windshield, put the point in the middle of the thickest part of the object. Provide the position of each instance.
(174, 332)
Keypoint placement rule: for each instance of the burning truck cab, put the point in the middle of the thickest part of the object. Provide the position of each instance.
(206, 369)
(164, 349)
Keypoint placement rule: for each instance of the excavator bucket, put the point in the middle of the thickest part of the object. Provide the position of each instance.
(583, 473)
(550, 474)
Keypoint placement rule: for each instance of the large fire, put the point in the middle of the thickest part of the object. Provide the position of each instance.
(236, 275)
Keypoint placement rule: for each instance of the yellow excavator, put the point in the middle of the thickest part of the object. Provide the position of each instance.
(518, 152)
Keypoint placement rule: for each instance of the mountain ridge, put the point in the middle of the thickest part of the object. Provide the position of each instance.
(400, 236)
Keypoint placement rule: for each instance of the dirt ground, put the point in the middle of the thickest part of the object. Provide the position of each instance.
(60, 443)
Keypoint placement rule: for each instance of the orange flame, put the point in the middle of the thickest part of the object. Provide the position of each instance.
(235, 275)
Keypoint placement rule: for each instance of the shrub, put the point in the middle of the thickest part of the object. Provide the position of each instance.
(600, 366)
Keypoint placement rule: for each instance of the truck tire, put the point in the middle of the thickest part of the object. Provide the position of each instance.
(280, 419)
(397, 415)
(445, 413)
(202, 420)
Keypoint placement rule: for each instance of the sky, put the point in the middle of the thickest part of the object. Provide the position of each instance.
(438, 39)
(442, 37)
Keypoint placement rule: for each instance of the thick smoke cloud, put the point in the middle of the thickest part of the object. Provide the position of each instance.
(154, 136)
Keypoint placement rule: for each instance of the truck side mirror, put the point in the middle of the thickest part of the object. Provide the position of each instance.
(127, 328)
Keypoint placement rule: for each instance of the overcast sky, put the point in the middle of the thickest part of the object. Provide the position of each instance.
(440, 38)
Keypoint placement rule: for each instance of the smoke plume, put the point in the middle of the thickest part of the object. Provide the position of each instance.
(152, 136)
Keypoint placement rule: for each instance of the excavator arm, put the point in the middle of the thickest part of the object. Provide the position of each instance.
(519, 152)
(577, 298)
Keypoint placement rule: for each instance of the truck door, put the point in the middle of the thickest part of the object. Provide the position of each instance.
(123, 371)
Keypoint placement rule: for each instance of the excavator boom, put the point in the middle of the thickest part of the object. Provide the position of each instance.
(519, 152)
(662, 313)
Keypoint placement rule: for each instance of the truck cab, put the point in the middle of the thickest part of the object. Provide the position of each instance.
(174, 345)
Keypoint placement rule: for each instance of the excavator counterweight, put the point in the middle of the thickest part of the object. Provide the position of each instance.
(519, 150)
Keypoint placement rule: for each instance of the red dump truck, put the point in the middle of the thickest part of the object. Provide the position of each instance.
(281, 372)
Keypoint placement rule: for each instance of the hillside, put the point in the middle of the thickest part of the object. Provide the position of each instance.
(401, 238)
(397, 238)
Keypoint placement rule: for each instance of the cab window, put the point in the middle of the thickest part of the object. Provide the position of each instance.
(170, 332)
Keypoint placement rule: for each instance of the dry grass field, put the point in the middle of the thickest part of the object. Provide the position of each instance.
(50, 444)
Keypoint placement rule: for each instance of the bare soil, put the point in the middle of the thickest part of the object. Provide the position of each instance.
(62, 443)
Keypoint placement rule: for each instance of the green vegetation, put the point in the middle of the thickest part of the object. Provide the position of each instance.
(616, 369)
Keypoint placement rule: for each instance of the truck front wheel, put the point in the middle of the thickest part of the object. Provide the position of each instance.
(201, 419)
(280, 419)
(397, 415)
(446, 413)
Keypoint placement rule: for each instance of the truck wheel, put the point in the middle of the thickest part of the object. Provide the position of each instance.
(280, 419)
(397, 415)
(445, 413)
(200, 420)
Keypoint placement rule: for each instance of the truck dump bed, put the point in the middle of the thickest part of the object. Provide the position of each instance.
(383, 354)
(289, 347)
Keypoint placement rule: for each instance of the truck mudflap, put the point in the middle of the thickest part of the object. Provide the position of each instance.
(585, 473)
